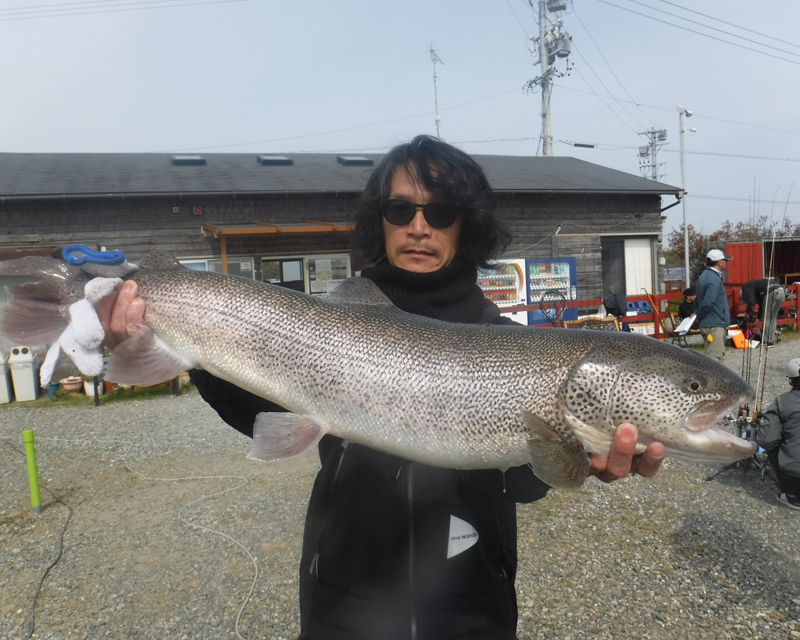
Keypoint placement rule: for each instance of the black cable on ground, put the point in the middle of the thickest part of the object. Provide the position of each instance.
(32, 624)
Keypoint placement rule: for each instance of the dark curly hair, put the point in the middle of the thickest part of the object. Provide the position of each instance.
(448, 173)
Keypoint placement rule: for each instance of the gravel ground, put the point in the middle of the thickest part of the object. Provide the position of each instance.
(166, 518)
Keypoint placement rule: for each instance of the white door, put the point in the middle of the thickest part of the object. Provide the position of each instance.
(638, 266)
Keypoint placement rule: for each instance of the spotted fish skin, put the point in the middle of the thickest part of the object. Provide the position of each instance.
(450, 395)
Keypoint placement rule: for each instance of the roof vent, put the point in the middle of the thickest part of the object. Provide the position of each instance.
(350, 161)
(275, 161)
(180, 161)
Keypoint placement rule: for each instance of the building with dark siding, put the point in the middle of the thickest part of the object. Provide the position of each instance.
(287, 217)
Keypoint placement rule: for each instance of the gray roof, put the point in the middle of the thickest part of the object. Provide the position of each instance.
(37, 175)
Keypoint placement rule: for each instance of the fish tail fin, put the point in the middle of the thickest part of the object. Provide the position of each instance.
(39, 310)
(55, 306)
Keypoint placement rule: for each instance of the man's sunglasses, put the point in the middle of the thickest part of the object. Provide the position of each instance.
(437, 214)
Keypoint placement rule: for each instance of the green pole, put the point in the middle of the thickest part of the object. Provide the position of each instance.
(33, 471)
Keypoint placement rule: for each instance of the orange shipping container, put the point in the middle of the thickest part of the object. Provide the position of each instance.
(747, 263)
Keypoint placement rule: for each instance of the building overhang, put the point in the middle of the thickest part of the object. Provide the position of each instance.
(243, 230)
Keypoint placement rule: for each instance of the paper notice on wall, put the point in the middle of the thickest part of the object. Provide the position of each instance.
(324, 286)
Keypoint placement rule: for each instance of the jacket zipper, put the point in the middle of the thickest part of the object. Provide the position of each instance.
(411, 595)
(314, 568)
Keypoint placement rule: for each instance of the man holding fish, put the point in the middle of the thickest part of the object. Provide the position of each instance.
(395, 549)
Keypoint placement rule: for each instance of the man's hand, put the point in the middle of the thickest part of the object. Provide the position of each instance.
(119, 313)
(621, 461)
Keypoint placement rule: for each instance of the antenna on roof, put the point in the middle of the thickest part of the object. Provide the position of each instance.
(435, 58)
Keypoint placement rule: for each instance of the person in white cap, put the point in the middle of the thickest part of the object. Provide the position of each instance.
(779, 434)
(711, 306)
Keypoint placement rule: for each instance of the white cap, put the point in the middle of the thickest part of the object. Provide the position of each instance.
(715, 255)
(793, 368)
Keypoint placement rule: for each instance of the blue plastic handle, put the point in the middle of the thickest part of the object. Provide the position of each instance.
(90, 255)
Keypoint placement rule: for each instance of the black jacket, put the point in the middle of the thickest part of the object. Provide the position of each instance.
(379, 528)
(780, 429)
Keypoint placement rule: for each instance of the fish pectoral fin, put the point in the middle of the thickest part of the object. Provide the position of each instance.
(143, 359)
(280, 436)
(558, 461)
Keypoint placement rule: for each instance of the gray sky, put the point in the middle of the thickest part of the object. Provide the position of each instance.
(344, 75)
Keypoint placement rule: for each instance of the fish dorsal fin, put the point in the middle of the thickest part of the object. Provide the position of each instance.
(158, 260)
(358, 290)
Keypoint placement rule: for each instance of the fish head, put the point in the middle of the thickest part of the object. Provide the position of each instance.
(674, 396)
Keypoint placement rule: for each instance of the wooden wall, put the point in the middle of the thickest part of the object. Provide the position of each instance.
(136, 225)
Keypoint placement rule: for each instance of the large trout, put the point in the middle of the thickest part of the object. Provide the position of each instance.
(353, 365)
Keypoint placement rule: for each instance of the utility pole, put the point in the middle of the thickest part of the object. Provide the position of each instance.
(682, 111)
(553, 42)
(547, 132)
(435, 59)
(648, 160)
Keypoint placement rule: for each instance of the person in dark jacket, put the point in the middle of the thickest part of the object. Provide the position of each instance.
(779, 434)
(394, 549)
(711, 306)
(687, 307)
(769, 295)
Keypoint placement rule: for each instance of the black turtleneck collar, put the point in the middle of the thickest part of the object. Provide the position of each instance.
(449, 294)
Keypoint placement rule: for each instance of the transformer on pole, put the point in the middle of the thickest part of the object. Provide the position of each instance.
(648, 160)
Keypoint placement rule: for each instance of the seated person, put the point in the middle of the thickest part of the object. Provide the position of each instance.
(686, 308)
(779, 435)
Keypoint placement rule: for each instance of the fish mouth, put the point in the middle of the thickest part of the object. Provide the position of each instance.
(707, 414)
(702, 420)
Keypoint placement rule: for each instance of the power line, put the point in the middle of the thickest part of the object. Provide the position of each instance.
(324, 133)
(613, 147)
(736, 155)
(672, 110)
(597, 95)
(750, 199)
(731, 24)
(700, 33)
(133, 7)
(522, 26)
(727, 33)
(575, 13)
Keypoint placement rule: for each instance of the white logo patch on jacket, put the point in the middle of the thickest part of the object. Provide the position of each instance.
(462, 536)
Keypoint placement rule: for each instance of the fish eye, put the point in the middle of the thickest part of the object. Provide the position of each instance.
(694, 384)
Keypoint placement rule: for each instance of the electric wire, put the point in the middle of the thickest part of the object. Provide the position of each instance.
(208, 529)
(32, 624)
(116, 10)
(426, 114)
(618, 147)
(517, 19)
(188, 523)
(75, 6)
(580, 75)
(695, 115)
(731, 24)
(463, 104)
(588, 33)
(705, 35)
(727, 33)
